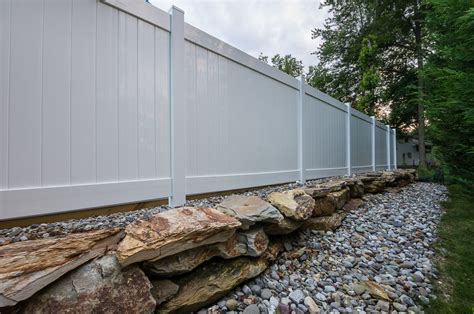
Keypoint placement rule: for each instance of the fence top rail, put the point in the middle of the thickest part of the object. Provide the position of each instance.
(316, 93)
(361, 115)
(380, 125)
(142, 10)
(209, 42)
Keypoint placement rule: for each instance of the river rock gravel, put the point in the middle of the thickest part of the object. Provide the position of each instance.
(387, 244)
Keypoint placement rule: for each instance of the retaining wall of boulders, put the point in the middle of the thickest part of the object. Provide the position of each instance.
(177, 261)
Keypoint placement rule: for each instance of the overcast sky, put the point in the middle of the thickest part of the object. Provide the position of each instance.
(254, 26)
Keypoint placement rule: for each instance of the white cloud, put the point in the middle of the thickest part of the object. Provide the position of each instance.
(254, 26)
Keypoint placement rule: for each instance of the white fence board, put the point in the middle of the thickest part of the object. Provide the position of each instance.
(5, 31)
(361, 146)
(324, 138)
(380, 147)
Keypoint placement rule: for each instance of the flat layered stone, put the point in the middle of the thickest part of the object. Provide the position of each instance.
(340, 197)
(174, 231)
(294, 204)
(100, 286)
(248, 243)
(286, 226)
(210, 282)
(323, 189)
(325, 223)
(373, 184)
(249, 210)
(27, 267)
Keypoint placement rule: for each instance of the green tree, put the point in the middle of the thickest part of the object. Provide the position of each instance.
(288, 64)
(449, 78)
(372, 55)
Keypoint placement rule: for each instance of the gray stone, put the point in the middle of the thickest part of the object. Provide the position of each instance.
(266, 294)
(251, 309)
(399, 307)
(297, 296)
(249, 210)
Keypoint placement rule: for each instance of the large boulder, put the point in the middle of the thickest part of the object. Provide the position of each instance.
(174, 231)
(27, 267)
(294, 204)
(325, 223)
(286, 226)
(249, 210)
(100, 286)
(249, 243)
(340, 197)
(210, 282)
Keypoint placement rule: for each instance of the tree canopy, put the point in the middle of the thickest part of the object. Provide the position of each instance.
(288, 64)
(449, 77)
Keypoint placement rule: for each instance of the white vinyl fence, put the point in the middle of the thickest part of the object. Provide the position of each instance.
(115, 101)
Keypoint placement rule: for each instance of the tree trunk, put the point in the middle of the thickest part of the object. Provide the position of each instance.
(421, 107)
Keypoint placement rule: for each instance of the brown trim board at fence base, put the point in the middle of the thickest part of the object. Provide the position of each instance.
(79, 214)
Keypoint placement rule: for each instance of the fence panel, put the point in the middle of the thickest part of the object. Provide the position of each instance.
(324, 135)
(241, 125)
(361, 145)
(88, 108)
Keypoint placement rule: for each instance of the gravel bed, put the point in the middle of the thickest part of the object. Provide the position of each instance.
(387, 241)
(45, 230)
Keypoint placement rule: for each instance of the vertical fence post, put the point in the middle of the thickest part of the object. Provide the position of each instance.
(372, 118)
(395, 148)
(348, 139)
(301, 165)
(388, 147)
(177, 109)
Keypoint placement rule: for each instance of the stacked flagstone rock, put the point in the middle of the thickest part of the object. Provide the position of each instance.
(175, 261)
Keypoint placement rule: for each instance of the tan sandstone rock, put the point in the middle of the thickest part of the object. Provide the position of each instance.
(340, 197)
(294, 204)
(210, 282)
(373, 184)
(376, 290)
(286, 226)
(353, 204)
(100, 286)
(174, 231)
(323, 189)
(249, 210)
(324, 206)
(28, 266)
(249, 243)
(325, 223)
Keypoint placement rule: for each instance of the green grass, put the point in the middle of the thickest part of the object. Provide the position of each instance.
(455, 285)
